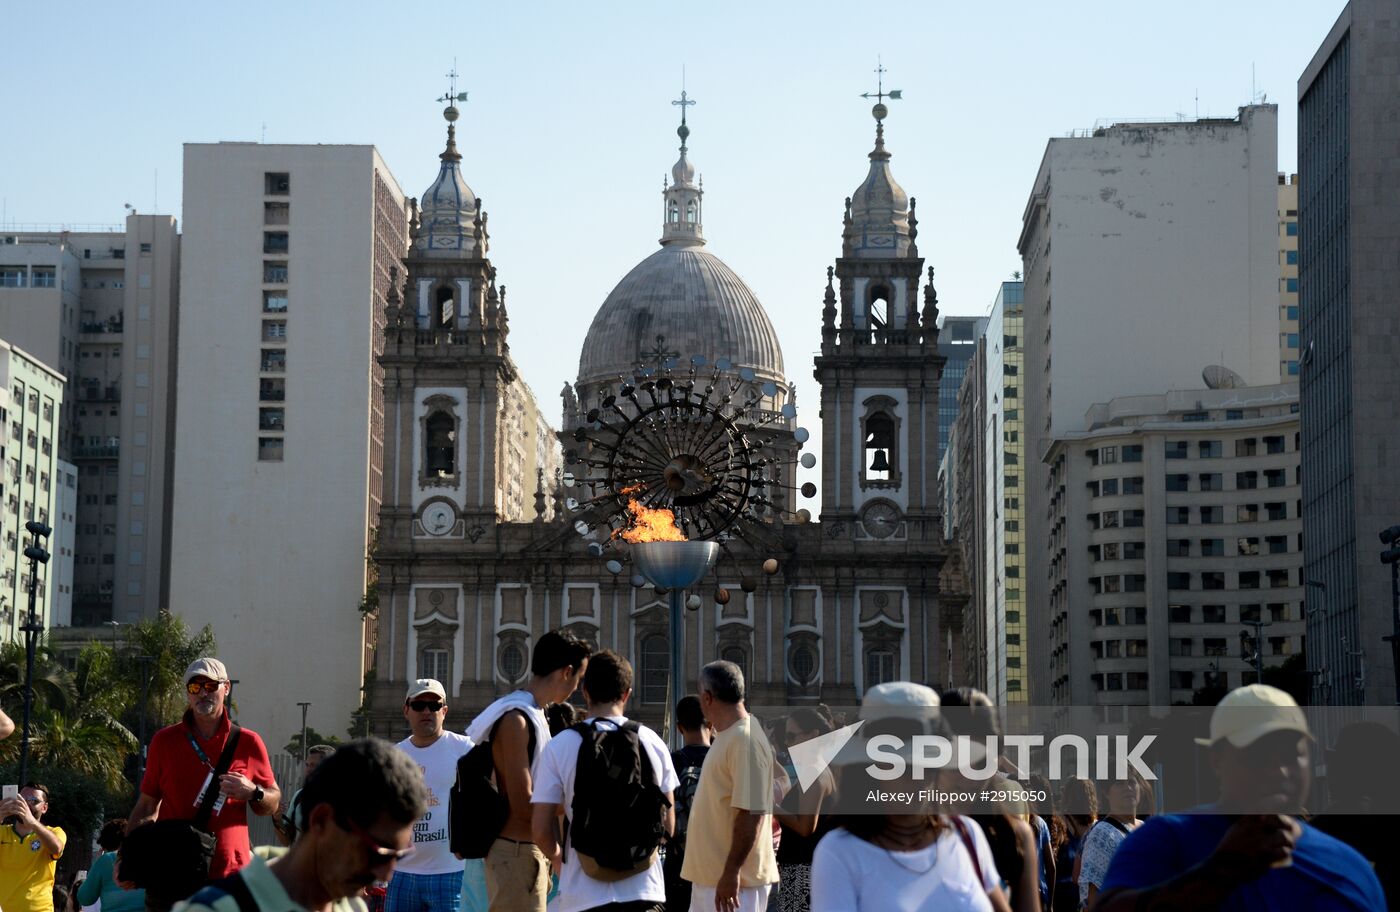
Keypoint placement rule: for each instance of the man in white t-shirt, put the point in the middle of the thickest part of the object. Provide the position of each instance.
(607, 686)
(430, 879)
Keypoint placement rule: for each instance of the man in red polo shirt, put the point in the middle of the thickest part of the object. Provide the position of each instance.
(180, 764)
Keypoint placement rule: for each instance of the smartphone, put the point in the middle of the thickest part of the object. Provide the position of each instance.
(10, 791)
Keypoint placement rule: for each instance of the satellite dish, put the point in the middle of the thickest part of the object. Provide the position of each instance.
(1220, 377)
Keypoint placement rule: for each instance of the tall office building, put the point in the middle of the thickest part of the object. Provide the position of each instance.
(957, 342)
(101, 307)
(983, 514)
(1162, 238)
(1288, 276)
(286, 266)
(1173, 527)
(31, 402)
(1349, 221)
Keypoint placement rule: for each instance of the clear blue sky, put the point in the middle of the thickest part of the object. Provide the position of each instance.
(569, 129)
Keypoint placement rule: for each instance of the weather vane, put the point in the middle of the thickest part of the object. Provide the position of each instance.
(452, 94)
(880, 94)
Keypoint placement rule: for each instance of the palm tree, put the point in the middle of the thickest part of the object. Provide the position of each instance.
(53, 684)
(93, 744)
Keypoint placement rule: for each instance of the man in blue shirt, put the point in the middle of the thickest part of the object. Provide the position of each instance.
(1247, 852)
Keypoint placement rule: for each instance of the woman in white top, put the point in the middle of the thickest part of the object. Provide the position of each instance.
(904, 857)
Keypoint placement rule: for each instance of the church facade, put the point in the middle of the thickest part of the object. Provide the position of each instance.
(472, 566)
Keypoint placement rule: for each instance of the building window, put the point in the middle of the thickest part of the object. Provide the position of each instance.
(1246, 481)
(1178, 581)
(272, 389)
(274, 302)
(435, 663)
(1212, 482)
(1179, 614)
(1212, 547)
(1211, 449)
(275, 272)
(1212, 514)
(738, 656)
(656, 669)
(512, 659)
(1178, 482)
(271, 419)
(1246, 513)
(879, 667)
(1213, 614)
(1108, 455)
(269, 449)
(673, 213)
(274, 360)
(276, 213)
(277, 183)
(275, 242)
(1247, 547)
(44, 277)
(1274, 445)
(880, 432)
(1110, 487)
(691, 213)
(1291, 229)
(13, 276)
(274, 330)
(1177, 449)
(1276, 511)
(1178, 516)
(1214, 646)
(440, 446)
(1213, 579)
(1132, 485)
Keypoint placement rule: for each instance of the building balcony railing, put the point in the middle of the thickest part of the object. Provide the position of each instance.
(114, 325)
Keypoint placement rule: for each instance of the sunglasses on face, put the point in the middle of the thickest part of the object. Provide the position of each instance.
(424, 705)
(195, 688)
(378, 855)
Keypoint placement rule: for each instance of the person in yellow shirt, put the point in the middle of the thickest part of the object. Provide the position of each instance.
(729, 858)
(29, 852)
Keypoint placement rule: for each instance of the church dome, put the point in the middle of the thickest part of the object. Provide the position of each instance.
(679, 302)
(449, 207)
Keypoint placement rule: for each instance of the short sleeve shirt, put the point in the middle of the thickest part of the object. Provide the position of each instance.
(175, 776)
(852, 875)
(432, 853)
(554, 784)
(1100, 844)
(27, 871)
(266, 890)
(1326, 875)
(737, 776)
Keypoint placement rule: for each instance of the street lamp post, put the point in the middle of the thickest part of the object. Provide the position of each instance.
(37, 555)
(145, 663)
(304, 708)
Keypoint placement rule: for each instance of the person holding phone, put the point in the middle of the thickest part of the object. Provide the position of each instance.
(29, 852)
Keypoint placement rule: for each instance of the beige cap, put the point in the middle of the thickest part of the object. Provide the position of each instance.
(209, 668)
(1248, 713)
(426, 686)
(895, 698)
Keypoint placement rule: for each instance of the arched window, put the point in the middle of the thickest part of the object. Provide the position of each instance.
(656, 669)
(673, 213)
(879, 447)
(445, 308)
(878, 310)
(440, 448)
(690, 212)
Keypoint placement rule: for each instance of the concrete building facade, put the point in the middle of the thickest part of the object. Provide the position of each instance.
(957, 342)
(1150, 251)
(1288, 277)
(104, 306)
(31, 403)
(1173, 522)
(285, 269)
(1349, 231)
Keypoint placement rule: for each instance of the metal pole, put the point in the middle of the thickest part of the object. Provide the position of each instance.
(37, 555)
(145, 662)
(677, 669)
(1395, 626)
(304, 707)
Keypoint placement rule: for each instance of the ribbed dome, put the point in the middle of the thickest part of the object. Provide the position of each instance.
(695, 303)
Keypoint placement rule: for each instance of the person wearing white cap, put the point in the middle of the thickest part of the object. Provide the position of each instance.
(180, 766)
(901, 855)
(430, 880)
(1248, 851)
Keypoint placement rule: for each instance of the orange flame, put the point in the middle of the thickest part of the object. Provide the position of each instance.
(647, 524)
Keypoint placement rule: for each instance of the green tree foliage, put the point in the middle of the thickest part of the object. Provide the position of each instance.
(313, 738)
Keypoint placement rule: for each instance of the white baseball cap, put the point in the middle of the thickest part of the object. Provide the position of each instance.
(210, 668)
(1248, 713)
(426, 686)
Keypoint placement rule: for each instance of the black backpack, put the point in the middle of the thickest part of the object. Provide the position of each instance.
(685, 797)
(477, 809)
(618, 818)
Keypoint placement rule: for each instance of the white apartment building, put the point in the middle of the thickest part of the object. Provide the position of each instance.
(1288, 350)
(285, 271)
(101, 306)
(1174, 525)
(31, 402)
(1150, 251)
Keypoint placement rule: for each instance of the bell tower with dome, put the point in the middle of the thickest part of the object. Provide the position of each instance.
(879, 366)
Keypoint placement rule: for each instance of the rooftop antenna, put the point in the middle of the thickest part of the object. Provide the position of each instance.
(264, 132)
(1198, 104)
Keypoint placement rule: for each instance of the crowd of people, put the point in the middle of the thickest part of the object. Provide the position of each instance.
(539, 808)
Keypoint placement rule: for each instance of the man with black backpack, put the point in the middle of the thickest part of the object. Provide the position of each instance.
(612, 782)
(695, 733)
(491, 815)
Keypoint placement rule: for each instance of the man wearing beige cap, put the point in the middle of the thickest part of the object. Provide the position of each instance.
(430, 880)
(1249, 850)
(209, 771)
